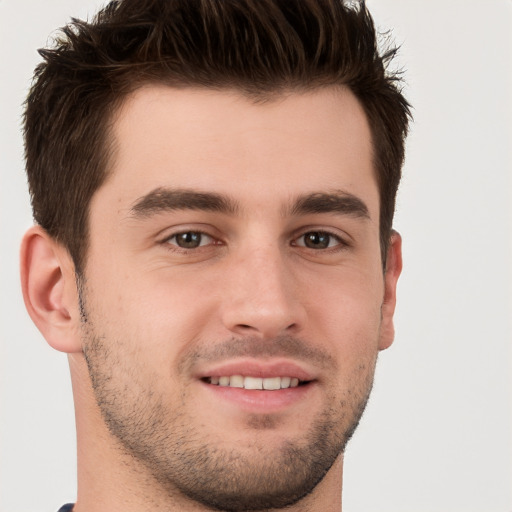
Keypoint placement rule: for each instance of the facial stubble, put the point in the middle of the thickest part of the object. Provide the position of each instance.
(186, 459)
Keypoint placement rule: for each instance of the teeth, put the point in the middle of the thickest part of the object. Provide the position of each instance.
(272, 383)
(253, 383)
(269, 383)
(285, 382)
(236, 381)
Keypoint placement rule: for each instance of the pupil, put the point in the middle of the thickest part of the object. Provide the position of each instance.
(317, 240)
(189, 240)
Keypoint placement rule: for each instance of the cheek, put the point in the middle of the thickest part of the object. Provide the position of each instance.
(348, 311)
(349, 329)
(158, 314)
(351, 302)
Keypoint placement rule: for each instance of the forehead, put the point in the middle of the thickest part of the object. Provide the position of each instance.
(222, 141)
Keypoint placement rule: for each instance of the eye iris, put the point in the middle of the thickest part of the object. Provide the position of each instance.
(189, 240)
(317, 240)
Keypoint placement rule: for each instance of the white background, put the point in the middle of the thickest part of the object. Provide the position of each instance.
(437, 435)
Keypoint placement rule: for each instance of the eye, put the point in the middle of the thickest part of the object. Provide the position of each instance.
(318, 240)
(190, 239)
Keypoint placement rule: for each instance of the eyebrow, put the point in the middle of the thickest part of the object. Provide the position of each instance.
(165, 199)
(338, 202)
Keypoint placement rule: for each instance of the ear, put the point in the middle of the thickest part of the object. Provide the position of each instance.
(393, 270)
(49, 290)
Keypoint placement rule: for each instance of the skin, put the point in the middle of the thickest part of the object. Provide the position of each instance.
(253, 296)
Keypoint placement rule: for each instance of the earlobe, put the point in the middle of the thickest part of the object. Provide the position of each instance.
(49, 290)
(393, 270)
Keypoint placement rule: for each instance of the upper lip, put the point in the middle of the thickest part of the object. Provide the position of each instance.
(258, 368)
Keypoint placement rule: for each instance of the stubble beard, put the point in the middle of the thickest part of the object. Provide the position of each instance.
(185, 459)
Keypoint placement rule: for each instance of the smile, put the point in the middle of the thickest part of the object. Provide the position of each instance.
(255, 383)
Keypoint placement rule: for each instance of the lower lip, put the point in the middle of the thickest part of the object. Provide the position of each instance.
(261, 401)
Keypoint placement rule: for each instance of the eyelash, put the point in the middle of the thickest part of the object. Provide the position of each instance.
(340, 243)
(176, 247)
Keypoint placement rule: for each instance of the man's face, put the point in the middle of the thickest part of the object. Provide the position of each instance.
(235, 246)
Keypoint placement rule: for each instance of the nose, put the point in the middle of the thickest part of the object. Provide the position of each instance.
(262, 296)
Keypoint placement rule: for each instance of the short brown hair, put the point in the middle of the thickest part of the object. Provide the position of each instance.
(259, 47)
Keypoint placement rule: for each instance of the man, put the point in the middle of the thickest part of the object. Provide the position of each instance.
(213, 184)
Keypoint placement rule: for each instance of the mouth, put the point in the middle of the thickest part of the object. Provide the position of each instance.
(255, 383)
(259, 386)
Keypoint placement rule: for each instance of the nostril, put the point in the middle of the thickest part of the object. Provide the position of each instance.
(249, 329)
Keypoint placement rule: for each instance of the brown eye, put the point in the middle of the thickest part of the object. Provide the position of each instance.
(190, 240)
(318, 240)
